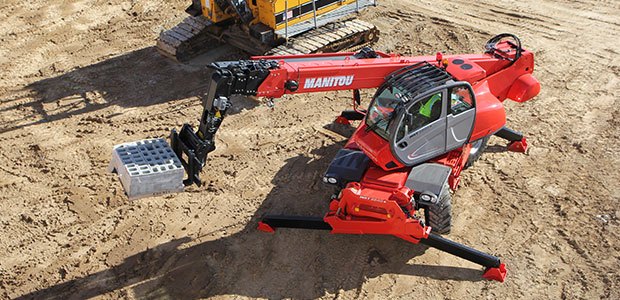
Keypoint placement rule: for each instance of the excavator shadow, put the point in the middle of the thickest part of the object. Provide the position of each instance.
(136, 79)
(288, 264)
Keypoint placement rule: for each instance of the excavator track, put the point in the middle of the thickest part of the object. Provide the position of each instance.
(195, 35)
(188, 39)
(333, 37)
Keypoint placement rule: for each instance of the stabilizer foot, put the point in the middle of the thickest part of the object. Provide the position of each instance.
(518, 146)
(265, 227)
(347, 116)
(497, 274)
(342, 120)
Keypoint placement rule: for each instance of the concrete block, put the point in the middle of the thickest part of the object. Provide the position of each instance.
(147, 167)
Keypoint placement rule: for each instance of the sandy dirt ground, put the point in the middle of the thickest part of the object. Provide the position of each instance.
(77, 78)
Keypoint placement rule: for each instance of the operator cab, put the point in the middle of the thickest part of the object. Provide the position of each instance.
(421, 112)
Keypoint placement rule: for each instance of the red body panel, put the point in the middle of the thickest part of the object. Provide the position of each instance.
(490, 113)
(375, 147)
(524, 88)
(471, 74)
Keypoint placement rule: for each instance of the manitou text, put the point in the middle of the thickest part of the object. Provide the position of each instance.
(332, 81)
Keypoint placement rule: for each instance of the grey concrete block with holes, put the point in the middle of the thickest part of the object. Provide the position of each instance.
(147, 167)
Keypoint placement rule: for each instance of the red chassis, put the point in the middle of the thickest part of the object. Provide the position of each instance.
(381, 197)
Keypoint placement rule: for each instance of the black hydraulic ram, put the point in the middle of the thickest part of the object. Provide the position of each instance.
(228, 78)
(510, 135)
(495, 269)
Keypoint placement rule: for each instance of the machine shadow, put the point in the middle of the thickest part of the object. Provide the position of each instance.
(136, 79)
(496, 148)
(288, 264)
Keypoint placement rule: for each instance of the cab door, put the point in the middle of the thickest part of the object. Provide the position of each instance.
(420, 131)
(460, 117)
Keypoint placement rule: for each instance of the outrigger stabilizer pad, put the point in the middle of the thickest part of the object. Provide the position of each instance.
(518, 146)
(497, 274)
(264, 227)
(518, 143)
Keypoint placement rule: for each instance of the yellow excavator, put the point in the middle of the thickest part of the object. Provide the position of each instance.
(273, 27)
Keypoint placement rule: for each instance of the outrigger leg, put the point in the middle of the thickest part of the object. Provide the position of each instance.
(495, 269)
(518, 143)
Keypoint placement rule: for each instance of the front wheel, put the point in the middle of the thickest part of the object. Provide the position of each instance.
(477, 148)
(439, 215)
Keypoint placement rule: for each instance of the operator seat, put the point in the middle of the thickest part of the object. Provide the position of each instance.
(420, 119)
(435, 111)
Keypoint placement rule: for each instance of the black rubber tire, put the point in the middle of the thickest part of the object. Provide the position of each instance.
(440, 214)
(477, 149)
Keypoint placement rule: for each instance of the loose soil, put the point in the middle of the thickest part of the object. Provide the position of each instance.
(78, 78)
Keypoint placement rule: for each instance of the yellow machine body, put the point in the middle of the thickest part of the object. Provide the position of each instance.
(213, 12)
(275, 27)
(277, 14)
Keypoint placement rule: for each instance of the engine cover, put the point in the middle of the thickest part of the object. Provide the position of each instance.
(428, 177)
(347, 166)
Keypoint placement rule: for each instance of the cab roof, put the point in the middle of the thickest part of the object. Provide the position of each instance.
(418, 78)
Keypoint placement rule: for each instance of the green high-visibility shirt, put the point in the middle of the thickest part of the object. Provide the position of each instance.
(427, 108)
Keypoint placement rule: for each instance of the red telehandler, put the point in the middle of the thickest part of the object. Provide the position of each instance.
(429, 119)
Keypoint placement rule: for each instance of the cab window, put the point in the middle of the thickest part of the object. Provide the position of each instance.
(460, 100)
(382, 110)
(420, 114)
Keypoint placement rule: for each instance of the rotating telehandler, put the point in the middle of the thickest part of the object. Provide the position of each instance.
(430, 118)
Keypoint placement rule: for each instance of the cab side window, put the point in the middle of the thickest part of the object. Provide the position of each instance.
(420, 114)
(460, 100)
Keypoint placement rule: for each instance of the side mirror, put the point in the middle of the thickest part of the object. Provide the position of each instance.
(357, 97)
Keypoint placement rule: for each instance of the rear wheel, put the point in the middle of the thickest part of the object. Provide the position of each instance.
(477, 148)
(439, 216)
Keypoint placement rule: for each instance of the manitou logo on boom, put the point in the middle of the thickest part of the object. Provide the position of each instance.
(332, 81)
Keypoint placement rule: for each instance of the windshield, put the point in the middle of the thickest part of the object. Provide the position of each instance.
(382, 110)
